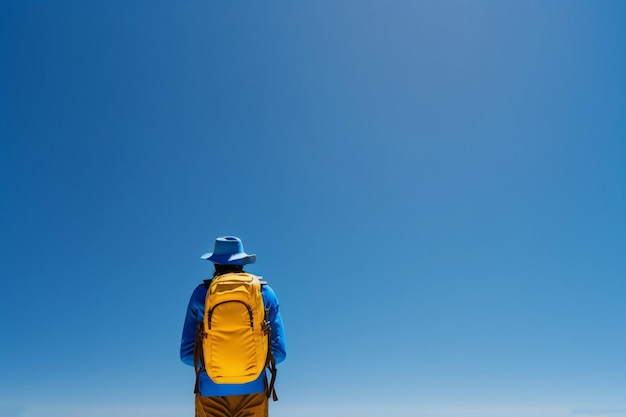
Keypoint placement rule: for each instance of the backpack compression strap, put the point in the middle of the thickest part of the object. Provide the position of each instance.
(198, 356)
(270, 362)
(198, 361)
(271, 366)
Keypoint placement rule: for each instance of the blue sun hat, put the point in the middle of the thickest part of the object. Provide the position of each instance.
(228, 250)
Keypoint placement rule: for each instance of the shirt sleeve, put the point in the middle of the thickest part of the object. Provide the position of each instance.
(195, 313)
(279, 346)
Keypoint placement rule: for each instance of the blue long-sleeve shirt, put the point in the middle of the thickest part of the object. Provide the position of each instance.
(195, 314)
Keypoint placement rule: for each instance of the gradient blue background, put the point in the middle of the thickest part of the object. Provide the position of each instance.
(435, 190)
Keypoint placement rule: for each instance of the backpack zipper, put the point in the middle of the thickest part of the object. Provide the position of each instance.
(231, 301)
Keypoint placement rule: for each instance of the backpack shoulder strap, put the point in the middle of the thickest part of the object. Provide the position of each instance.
(198, 357)
(260, 278)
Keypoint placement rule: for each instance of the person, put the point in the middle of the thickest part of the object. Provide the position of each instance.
(214, 399)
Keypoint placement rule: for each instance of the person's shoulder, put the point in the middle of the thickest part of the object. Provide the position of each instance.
(268, 293)
(200, 290)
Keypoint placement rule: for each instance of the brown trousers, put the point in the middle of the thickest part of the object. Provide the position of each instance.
(249, 405)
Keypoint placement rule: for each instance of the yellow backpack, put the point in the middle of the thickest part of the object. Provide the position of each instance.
(235, 336)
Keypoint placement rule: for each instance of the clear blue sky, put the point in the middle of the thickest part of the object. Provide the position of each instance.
(435, 189)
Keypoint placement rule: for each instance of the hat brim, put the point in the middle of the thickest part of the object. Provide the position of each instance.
(228, 259)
